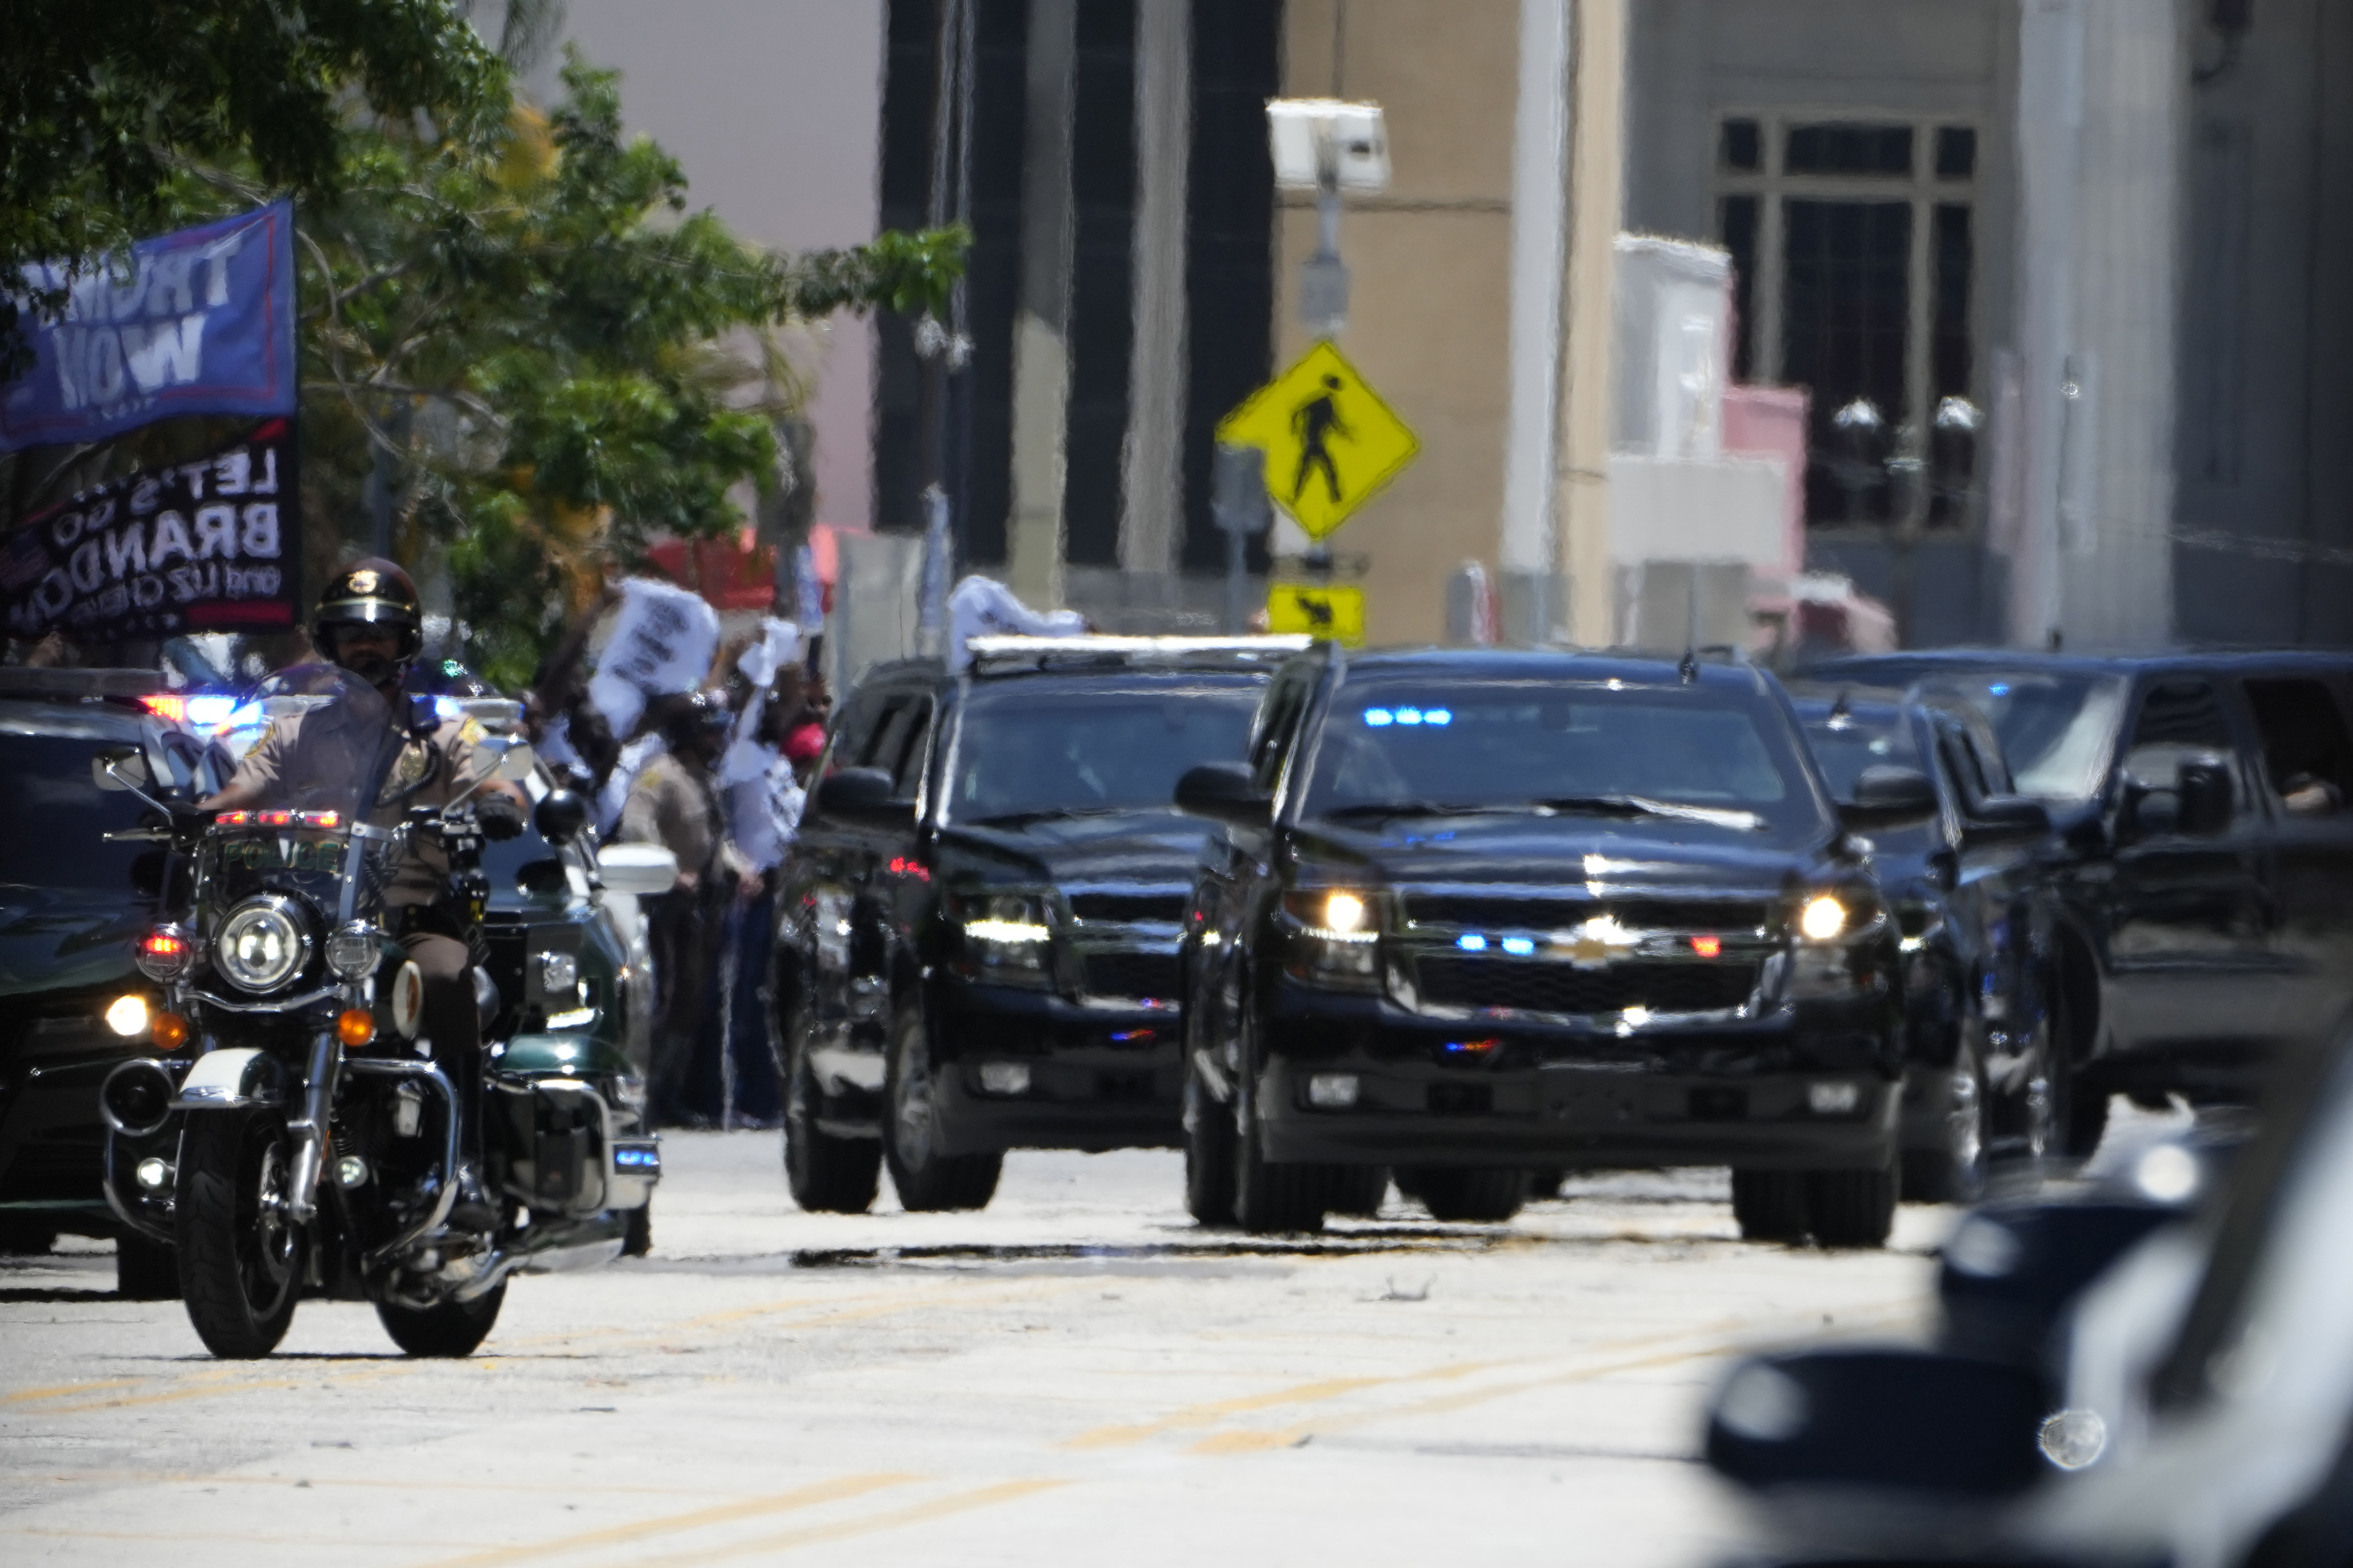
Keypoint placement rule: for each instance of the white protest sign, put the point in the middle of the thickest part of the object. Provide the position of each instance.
(663, 638)
(779, 646)
(983, 606)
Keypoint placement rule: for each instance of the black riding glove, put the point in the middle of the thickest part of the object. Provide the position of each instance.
(188, 823)
(501, 816)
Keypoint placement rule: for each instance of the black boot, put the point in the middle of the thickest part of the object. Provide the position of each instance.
(473, 1209)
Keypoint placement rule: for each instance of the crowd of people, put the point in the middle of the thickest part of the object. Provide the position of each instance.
(717, 776)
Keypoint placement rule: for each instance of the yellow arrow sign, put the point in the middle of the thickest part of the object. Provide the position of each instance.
(1320, 612)
(1330, 442)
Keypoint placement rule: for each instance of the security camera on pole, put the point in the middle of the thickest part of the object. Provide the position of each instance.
(1329, 441)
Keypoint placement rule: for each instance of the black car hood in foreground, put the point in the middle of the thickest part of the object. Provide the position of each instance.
(64, 939)
(1548, 851)
(1151, 844)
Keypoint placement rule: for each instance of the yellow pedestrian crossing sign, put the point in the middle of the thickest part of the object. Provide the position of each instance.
(1320, 612)
(1330, 442)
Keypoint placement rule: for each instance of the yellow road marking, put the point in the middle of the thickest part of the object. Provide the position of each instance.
(1252, 1442)
(1299, 1394)
(668, 1524)
(962, 1502)
(66, 1390)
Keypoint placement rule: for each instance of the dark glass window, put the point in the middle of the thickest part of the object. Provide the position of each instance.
(1848, 150)
(2304, 737)
(1737, 218)
(1846, 305)
(1744, 148)
(1956, 152)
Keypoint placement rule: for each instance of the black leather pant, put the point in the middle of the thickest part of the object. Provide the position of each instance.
(454, 1026)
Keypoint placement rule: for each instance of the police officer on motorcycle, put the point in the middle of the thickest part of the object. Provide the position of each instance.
(369, 622)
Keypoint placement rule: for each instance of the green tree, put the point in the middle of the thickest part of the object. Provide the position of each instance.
(513, 321)
(565, 361)
(102, 103)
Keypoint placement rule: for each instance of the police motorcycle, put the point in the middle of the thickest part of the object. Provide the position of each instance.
(303, 1141)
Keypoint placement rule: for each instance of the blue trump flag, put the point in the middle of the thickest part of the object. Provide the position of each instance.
(201, 322)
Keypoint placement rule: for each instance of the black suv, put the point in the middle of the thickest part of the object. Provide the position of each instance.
(978, 922)
(72, 903)
(2201, 865)
(1963, 877)
(1479, 912)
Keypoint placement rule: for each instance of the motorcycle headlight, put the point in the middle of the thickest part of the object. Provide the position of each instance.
(1821, 919)
(1004, 933)
(1834, 954)
(1335, 937)
(261, 945)
(351, 951)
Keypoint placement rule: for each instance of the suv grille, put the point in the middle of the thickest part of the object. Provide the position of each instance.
(1128, 906)
(1537, 987)
(1482, 912)
(1131, 975)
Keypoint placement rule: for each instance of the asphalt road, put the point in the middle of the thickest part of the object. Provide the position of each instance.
(1077, 1375)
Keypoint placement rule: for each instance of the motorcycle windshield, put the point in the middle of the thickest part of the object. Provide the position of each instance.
(331, 758)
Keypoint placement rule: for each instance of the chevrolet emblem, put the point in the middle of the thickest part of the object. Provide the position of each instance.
(1598, 940)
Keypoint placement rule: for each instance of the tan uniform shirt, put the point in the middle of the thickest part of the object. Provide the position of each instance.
(678, 810)
(319, 761)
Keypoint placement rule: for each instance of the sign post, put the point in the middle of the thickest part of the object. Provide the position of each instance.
(1238, 502)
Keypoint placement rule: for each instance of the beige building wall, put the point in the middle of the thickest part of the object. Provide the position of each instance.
(1430, 309)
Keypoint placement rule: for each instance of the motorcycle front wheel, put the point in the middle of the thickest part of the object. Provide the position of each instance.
(240, 1250)
(446, 1328)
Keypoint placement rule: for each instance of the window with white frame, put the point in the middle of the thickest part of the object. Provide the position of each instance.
(1854, 255)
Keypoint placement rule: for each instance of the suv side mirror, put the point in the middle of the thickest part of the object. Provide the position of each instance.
(2006, 819)
(1902, 1420)
(1225, 792)
(2204, 785)
(1887, 793)
(560, 817)
(861, 797)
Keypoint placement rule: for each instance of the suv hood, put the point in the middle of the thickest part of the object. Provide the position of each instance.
(1150, 845)
(1550, 851)
(58, 939)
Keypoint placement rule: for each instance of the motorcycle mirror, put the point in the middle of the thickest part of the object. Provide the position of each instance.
(516, 763)
(119, 768)
(560, 815)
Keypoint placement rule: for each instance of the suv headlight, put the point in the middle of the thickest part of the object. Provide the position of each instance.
(1003, 935)
(1833, 947)
(1334, 937)
(261, 945)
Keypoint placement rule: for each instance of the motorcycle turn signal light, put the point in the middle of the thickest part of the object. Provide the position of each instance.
(356, 1026)
(169, 1031)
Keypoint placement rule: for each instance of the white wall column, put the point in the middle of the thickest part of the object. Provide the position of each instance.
(1533, 604)
(2102, 88)
(1151, 482)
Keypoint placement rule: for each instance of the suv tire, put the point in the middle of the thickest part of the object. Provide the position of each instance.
(1852, 1208)
(1357, 1191)
(928, 1180)
(1208, 1154)
(1952, 1170)
(145, 1270)
(1473, 1194)
(1268, 1197)
(825, 1174)
(1769, 1204)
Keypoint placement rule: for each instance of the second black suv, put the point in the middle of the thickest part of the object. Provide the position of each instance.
(1480, 913)
(978, 925)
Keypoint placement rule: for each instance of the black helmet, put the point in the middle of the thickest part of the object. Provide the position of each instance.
(693, 716)
(372, 592)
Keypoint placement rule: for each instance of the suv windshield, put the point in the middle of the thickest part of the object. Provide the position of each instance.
(57, 817)
(1573, 746)
(1846, 743)
(1028, 750)
(2054, 729)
